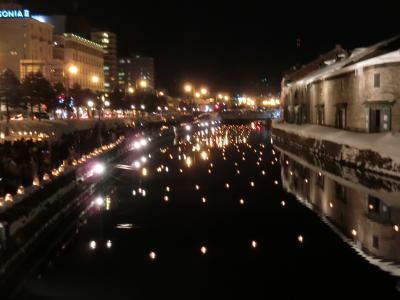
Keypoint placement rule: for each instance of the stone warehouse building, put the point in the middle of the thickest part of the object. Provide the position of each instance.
(359, 91)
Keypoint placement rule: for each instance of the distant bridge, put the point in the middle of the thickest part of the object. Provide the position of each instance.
(245, 115)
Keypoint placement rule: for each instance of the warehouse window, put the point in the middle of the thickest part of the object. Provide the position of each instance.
(377, 80)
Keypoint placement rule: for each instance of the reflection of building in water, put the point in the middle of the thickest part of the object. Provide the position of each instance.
(366, 218)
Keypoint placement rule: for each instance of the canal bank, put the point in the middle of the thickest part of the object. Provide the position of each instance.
(34, 223)
(377, 152)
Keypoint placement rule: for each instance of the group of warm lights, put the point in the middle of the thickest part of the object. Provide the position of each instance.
(202, 92)
(73, 70)
(271, 102)
(97, 169)
(188, 88)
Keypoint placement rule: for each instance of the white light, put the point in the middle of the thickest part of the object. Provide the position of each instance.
(109, 244)
(152, 255)
(188, 127)
(92, 245)
(203, 250)
(137, 164)
(98, 168)
(254, 244)
(143, 142)
(99, 201)
(136, 145)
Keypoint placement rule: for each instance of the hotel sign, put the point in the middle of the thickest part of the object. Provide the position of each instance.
(14, 13)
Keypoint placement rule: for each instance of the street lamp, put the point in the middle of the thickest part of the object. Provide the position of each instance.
(131, 90)
(143, 84)
(188, 88)
(203, 91)
(73, 70)
(220, 96)
(95, 79)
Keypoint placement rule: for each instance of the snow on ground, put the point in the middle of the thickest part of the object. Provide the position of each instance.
(58, 127)
(386, 144)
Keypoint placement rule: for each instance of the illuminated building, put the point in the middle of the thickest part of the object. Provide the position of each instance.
(25, 43)
(108, 40)
(134, 70)
(78, 60)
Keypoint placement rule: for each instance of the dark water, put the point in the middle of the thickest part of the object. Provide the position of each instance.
(254, 250)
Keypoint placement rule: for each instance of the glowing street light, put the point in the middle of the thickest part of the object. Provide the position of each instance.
(90, 103)
(203, 91)
(95, 79)
(143, 84)
(73, 70)
(107, 103)
(197, 95)
(131, 90)
(220, 96)
(188, 88)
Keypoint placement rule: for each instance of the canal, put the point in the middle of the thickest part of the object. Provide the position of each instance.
(218, 212)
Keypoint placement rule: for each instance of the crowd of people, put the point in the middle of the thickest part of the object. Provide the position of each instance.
(23, 160)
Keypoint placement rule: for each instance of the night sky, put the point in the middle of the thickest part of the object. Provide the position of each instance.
(230, 46)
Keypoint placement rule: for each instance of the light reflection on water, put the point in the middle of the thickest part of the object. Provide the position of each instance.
(364, 212)
(214, 211)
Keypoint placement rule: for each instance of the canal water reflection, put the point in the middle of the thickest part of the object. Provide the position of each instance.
(364, 210)
(217, 212)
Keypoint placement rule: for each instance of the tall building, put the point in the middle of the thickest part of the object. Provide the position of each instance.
(108, 40)
(78, 60)
(136, 72)
(25, 43)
